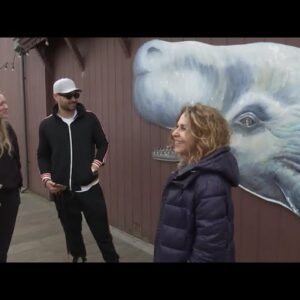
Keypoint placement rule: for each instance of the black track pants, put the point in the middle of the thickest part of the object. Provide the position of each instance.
(70, 205)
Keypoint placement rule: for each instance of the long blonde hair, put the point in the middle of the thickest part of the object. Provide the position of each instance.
(5, 143)
(209, 128)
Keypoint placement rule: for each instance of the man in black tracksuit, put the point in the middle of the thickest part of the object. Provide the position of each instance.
(69, 166)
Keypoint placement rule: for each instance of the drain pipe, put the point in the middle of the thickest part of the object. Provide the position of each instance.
(23, 103)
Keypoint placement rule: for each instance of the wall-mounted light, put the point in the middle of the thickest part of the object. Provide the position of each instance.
(13, 62)
(6, 65)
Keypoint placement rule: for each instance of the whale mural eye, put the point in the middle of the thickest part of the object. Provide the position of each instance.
(248, 120)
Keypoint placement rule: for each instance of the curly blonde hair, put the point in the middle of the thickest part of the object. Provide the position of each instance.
(209, 128)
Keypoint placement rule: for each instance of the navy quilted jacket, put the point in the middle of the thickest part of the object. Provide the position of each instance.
(196, 219)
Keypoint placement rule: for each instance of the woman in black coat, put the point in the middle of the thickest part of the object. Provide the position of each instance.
(10, 180)
(196, 219)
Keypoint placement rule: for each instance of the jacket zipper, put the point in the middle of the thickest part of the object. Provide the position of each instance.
(71, 157)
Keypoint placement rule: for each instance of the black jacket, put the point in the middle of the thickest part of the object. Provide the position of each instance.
(66, 156)
(10, 166)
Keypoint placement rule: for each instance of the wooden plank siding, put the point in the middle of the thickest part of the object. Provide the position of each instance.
(36, 111)
(132, 181)
(10, 86)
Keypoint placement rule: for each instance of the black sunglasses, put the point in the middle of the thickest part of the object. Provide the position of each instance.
(69, 96)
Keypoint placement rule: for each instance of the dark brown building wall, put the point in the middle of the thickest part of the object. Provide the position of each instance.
(131, 180)
(10, 86)
(35, 95)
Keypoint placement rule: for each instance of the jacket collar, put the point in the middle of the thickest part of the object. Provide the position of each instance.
(192, 168)
(221, 161)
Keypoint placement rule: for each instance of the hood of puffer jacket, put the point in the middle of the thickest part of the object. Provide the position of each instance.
(221, 161)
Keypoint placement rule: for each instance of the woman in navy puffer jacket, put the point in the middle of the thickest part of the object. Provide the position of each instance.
(196, 220)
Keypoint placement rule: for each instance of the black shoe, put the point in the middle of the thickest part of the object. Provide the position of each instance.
(76, 259)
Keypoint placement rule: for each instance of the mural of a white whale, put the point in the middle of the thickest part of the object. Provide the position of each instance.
(257, 88)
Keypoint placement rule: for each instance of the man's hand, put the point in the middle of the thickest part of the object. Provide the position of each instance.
(54, 187)
(94, 169)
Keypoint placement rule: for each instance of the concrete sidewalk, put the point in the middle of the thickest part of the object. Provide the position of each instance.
(38, 237)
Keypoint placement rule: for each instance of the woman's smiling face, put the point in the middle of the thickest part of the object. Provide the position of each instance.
(182, 137)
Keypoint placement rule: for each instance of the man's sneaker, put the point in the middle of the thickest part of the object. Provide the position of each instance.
(76, 259)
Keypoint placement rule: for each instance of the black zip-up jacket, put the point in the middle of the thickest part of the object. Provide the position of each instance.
(65, 154)
(10, 166)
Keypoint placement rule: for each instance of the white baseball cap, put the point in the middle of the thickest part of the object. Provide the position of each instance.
(64, 86)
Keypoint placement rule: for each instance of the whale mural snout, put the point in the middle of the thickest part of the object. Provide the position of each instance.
(256, 87)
